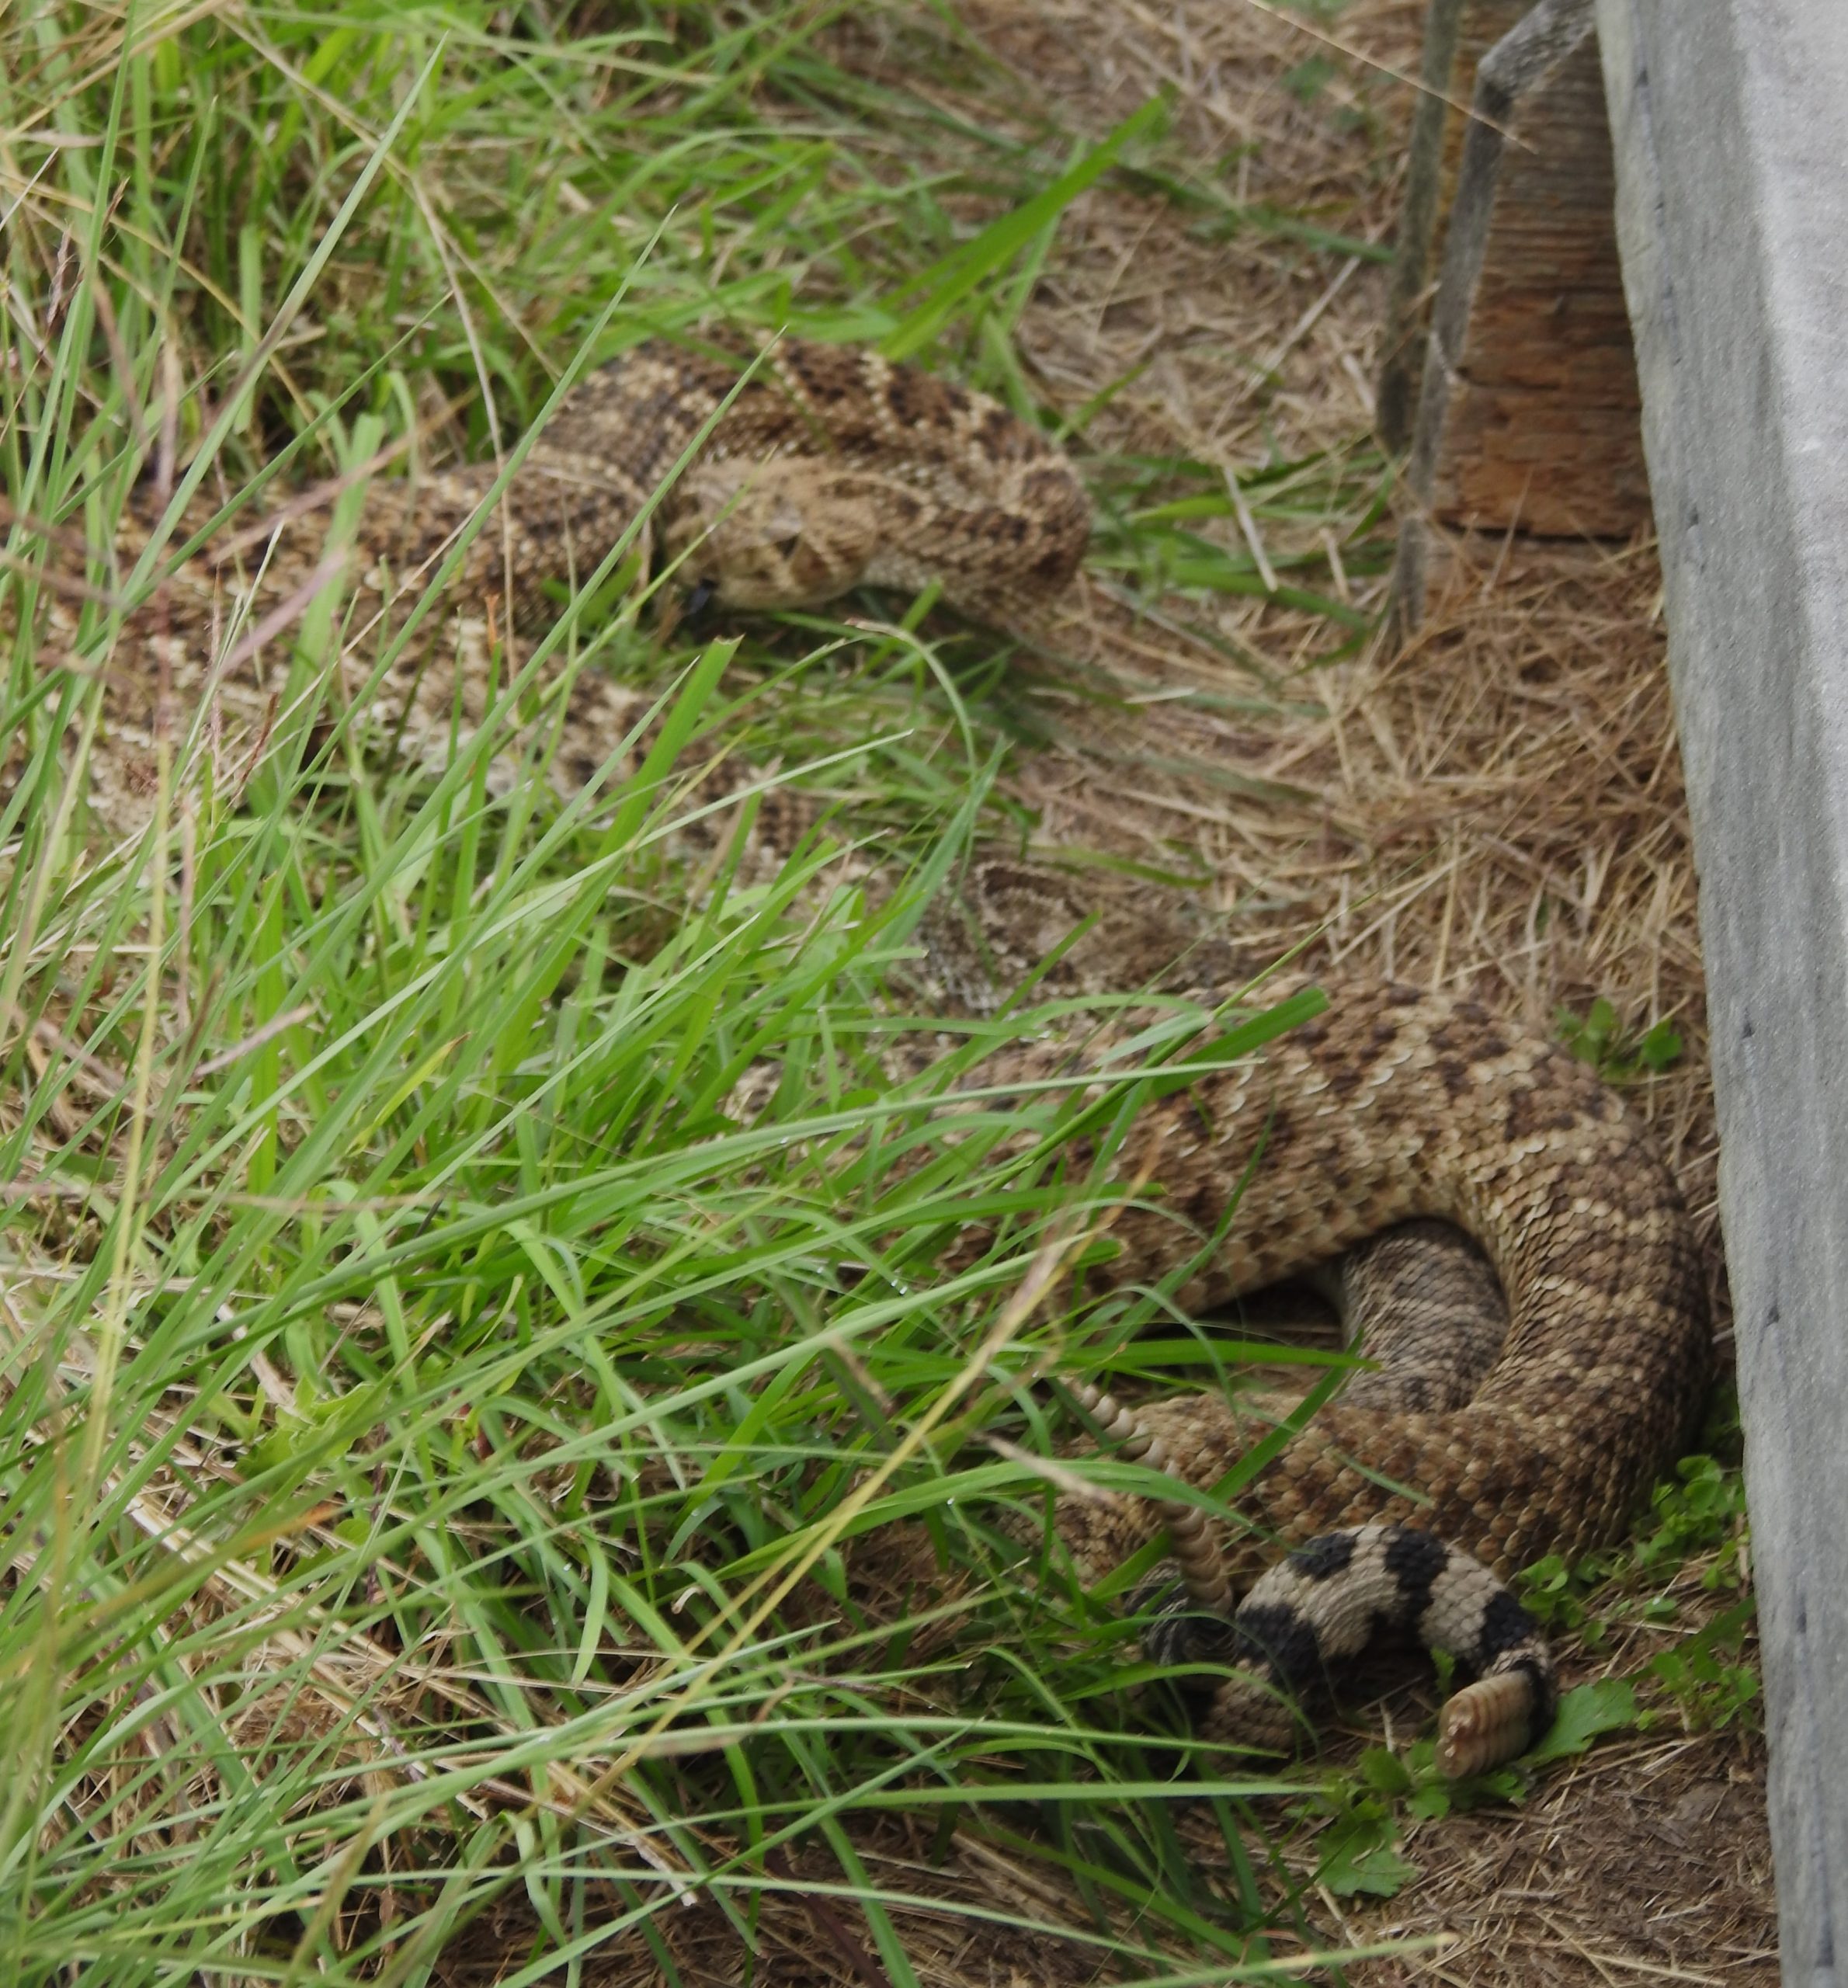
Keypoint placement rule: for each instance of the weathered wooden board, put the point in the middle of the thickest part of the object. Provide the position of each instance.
(1458, 33)
(1528, 415)
(1730, 123)
(1533, 419)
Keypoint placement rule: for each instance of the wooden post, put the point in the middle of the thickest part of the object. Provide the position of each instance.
(1458, 33)
(1528, 414)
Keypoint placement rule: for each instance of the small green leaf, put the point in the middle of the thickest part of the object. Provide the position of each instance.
(1360, 1856)
(1606, 1706)
(1660, 1047)
(1384, 1772)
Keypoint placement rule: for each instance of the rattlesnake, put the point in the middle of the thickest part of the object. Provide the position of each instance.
(1524, 1395)
(824, 468)
(1442, 1474)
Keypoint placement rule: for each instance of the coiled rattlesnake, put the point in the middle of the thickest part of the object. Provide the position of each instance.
(1523, 1398)
(828, 467)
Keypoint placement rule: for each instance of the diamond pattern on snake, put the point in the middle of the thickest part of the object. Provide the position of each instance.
(1527, 1387)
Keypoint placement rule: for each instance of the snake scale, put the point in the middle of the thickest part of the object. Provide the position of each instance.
(815, 468)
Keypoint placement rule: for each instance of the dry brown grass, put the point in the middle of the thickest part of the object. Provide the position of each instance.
(1647, 1862)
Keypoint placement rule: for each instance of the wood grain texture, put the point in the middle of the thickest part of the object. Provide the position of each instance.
(1541, 422)
(1731, 123)
(1528, 414)
(1458, 33)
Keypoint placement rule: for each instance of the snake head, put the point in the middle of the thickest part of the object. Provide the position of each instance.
(782, 534)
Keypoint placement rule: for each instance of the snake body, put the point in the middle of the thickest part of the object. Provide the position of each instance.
(817, 468)
(1525, 1392)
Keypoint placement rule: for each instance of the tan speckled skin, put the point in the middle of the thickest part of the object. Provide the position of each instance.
(829, 468)
(1396, 1104)
(1422, 1303)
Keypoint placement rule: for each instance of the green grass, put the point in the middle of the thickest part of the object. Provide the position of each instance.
(436, 1410)
(433, 1412)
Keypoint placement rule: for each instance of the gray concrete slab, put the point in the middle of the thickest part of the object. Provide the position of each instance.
(1730, 124)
